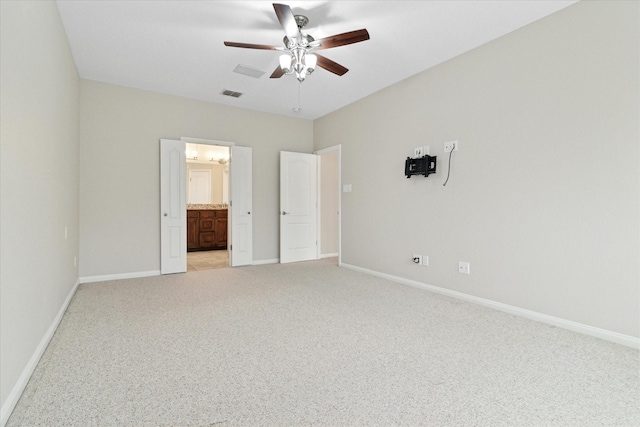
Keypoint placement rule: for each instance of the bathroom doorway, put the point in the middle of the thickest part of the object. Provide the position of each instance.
(207, 206)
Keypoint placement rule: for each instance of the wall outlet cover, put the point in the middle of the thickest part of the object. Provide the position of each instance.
(451, 145)
(464, 267)
(418, 152)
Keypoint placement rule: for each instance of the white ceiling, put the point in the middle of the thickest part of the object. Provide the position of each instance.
(176, 46)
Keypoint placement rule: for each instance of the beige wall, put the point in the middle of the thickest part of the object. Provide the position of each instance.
(119, 170)
(39, 184)
(543, 199)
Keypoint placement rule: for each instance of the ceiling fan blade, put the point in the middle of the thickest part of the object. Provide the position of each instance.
(342, 39)
(330, 65)
(251, 46)
(277, 73)
(287, 20)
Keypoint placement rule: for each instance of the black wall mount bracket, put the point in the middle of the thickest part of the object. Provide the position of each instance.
(424, 165)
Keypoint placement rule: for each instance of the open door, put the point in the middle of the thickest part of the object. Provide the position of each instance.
(240, 207)
(173, 207)
(298, 207)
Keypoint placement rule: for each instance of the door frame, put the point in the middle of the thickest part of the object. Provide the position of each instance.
(337, 148)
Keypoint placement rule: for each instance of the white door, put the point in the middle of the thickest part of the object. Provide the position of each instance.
(240, 207)
(200, 187)
(298, 207)
(173, 207)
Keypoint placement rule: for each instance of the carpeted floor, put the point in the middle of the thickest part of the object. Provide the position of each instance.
(311, 344)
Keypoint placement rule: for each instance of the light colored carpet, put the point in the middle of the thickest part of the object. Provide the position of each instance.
(311, 344)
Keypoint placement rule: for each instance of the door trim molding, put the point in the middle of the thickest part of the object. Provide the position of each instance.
(207, 141)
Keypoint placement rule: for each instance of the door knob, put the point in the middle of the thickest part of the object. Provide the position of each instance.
(285, 213)
(248, 213)
(166, 214)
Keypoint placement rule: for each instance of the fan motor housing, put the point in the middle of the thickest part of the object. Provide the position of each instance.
(301, 20)
(306, 39)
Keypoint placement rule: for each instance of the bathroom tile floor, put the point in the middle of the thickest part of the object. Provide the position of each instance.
(207, 260)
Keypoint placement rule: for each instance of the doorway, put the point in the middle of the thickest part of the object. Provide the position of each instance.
(173, 202)
(310, 205)
(207, 206)
(330, 206)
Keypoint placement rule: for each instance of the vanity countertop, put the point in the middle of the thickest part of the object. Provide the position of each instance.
(191, 207)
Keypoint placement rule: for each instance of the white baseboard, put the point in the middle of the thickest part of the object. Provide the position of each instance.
(329, 255)
(18, 388)
(107, 277)
(604, 334)
(266, 261)
(277, 260)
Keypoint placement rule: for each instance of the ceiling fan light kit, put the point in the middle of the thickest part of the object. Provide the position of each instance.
(299, 59)
(299, 62)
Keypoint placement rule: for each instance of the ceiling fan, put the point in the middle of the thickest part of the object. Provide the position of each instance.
(299, 57)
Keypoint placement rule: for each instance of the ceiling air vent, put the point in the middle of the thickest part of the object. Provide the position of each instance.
(227, 92)
(249, 71)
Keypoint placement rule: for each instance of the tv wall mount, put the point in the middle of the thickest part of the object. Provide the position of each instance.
(424, 165)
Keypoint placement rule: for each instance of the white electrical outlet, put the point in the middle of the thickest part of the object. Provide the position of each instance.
(417, 259)
(425, 260)
(425, 150)
(451, 145)
(418, 152)
(464, 267)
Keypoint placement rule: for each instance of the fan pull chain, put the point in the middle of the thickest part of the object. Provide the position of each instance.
(298, 108)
